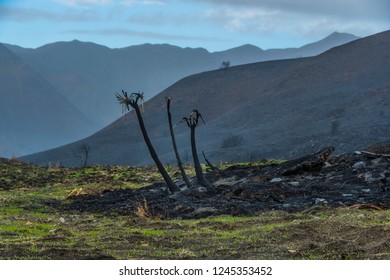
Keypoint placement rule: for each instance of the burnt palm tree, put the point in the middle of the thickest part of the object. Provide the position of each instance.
(192, 121)
(179, 162)
(132, 100)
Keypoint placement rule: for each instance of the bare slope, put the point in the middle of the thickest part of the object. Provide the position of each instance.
(273, 109)
(33, 115)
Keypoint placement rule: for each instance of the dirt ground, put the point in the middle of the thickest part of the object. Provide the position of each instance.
(348, 180)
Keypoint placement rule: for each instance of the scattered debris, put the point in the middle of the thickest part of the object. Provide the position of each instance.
(296, 185)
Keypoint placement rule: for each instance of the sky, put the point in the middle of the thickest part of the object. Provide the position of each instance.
(212, 24)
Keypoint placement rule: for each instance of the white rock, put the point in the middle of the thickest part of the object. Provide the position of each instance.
(230, 181)
(202, 210)
(276, 180)
(359, 165)
(320, 201)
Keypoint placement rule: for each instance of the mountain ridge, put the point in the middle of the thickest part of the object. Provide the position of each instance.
(78, 69)
(279, 109)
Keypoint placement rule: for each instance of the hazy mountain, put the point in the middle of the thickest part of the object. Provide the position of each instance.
(33, 115)
(273, 109)
(88, 74)
(316, 48)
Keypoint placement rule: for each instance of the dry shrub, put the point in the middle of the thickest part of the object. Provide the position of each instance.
(141, 209)
(76, 192)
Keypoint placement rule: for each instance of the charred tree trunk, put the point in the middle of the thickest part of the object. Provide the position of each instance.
(179, 162)
(85, 150)
(198, 168)
(168, 180)
(132, 100)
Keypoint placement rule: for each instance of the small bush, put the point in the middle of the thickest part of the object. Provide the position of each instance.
(232, 141)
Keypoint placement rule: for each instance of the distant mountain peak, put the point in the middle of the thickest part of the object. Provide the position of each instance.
(339, 35)
(5, 52)
(244, 48)
(250, 47)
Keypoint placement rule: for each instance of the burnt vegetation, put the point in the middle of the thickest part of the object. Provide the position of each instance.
(359, 179)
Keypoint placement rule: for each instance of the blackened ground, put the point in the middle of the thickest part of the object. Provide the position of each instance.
(355, 180)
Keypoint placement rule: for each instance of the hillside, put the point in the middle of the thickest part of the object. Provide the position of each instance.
(80, 69)
(33, 115)
(278, 109)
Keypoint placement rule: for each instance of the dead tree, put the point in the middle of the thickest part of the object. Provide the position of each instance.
(192, 121)
(225, 65)
(85, 150)
(132, 100)
(179, 162)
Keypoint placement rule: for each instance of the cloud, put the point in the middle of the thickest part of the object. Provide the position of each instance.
(84, 2)
(302, 18)
(162, 18)
(368, 9)
(32, 14)
(144, 34)
(114, 2)
(143, 2)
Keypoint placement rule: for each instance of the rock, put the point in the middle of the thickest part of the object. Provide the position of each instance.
(294, 184)
(276, 180)
(202, 212)
(320, 201)
(230, 181)
(370, 177)
(379, 162)
(359, 165)
(347, 195)
(183, 208)
(366, 190)
(236, 192)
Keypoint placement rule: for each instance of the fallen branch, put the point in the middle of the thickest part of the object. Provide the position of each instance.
(306, 163)
(374, 154)
(209, 164)
(366, 206)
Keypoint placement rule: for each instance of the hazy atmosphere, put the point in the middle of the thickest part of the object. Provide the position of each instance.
(214, 25)
(195, 130)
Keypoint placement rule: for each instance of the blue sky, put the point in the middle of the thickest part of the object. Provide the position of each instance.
(212, 24)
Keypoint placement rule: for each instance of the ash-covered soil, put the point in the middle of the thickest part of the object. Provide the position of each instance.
(356, 180)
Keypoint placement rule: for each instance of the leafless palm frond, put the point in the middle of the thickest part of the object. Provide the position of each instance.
(127, 100)
(184, 119)
(192, 119)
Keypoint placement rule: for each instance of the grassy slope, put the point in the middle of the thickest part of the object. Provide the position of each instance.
(31, 227)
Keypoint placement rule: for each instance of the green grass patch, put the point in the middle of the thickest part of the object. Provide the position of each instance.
(33, 227)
